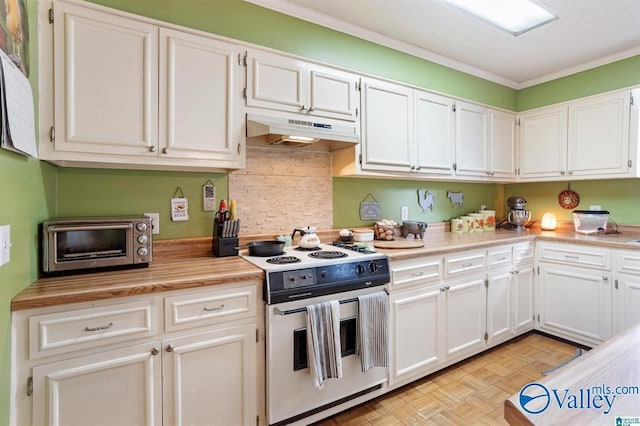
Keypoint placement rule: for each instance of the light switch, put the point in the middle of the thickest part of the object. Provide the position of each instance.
(5, 244)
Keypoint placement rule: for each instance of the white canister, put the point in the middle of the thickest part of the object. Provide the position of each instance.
(468, 224)
(456, 225)
(478, 222)
(489, 220)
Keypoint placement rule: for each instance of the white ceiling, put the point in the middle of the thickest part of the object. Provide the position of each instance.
(587, 33)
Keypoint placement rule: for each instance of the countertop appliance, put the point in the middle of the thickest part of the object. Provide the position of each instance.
(93, 243)
(518, 216)
(295, 279)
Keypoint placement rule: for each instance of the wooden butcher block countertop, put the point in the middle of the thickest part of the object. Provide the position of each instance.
(163, 275)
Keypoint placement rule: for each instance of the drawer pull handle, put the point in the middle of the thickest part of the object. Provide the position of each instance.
(215, 308)
(101, 327)
(417, 274)
(502, 258)
(466, 265)
(571, 257)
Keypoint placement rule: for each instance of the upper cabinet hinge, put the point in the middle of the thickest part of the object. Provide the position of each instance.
(242, 59)
(52, 134)
(257, 335)
(453, 107)
(631, 99)
(486, 282)
(244, 93)
(29, 386)
(538, 268)
(486, 336)
(518, 121)
(51, 16)
(455, 167)
(356, 112)
(359, 85)
(239, 148)
(360, 159)
(616, 284)
(630, 163)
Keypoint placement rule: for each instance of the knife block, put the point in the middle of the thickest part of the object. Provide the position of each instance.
(223, 246)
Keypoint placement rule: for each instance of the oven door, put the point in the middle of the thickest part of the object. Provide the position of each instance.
(290, 388)
(70, 247)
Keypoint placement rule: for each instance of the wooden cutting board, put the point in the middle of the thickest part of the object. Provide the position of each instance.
(401, 244)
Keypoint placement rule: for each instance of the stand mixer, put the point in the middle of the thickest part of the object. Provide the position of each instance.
(518, 215)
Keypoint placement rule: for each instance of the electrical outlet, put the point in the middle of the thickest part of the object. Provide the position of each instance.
(155, 222)
(595, 207)
(5, 244)
(404, 212)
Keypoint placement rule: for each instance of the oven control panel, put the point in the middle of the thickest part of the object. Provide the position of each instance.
(299, 278)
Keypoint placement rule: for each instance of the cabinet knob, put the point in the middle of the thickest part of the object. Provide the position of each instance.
(152, 148)
(570, 172)
(303, 107)
(165, 150)
(169, 348)
(311, 109)
(155, 351)
(562, 172)
(605, 278)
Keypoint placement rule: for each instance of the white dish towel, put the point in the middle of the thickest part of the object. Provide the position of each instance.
(323, 341)
(373, 330)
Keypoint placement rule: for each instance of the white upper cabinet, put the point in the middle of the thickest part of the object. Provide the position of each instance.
(198, 111)
(286, 84)
(472, 145)
(435, 133)
(106, 79)
(587, 138)
(502, 144)
(388, 142)
(130, 93)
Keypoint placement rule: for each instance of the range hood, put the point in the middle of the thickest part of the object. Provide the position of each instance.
(302, 131)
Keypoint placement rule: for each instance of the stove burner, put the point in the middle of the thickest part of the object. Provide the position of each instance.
(283, 260)
(307, 249)
(327, 254)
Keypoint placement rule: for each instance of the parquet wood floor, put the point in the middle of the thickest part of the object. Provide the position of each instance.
(471, 392)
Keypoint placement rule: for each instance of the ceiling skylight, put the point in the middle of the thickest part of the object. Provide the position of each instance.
(513, 16)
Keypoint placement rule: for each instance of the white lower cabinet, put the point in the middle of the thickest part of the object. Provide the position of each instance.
(417, 343)
(523, 298)
(500, 312)
(465, 316)
(203, 374)
(626, 298)
(574, 292)
(107, 388)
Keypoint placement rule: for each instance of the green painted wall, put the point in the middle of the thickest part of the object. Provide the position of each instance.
(90, 192)
(392, 194)
(32, 191)
(608, 77)
(621, 197)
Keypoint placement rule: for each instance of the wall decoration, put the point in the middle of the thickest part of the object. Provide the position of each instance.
(425, 200)
(369, 210)
(568, 199)
(14, 32)
(456, 198)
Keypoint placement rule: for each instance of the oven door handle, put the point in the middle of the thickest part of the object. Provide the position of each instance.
(55, 228)
(279, 311)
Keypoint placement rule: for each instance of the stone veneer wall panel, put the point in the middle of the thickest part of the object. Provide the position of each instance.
(281, 189)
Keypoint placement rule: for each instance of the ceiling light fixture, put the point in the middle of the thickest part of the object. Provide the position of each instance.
(514, 16)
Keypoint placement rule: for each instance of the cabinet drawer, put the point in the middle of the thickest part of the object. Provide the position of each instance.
(209, 307)
(574, 254)
(463, 263)
(61, 332)
(415, 271)
(628, 261)
(523, 253)
(499, 257)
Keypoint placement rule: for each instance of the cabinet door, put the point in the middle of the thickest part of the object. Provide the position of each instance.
(333, 94)
(502, 144)
(465, 316)
(627, 301)
(499, 306)
(105, 82)
(210, 378)
(523, 299)
(276, 82)
(599, 135)
(435, 129)
(120, 387)
(543, 143)
(471, 140)
(575, 303)
(387, 130)
(416, 343)
(198, 80)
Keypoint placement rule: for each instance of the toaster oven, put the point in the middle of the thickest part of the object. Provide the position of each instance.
(86, 244)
